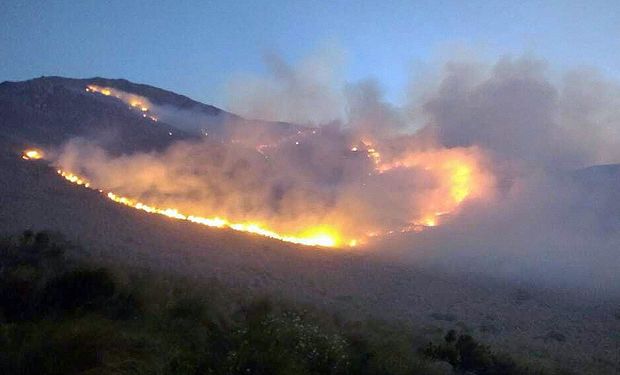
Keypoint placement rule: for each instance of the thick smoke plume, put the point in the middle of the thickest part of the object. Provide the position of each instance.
(314, 181)
(551, 219)
(483, 169)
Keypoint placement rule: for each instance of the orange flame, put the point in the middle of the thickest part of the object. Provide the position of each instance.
(457, 174)
(134, 101)
(320, 236)
(460, 177)
(32, 154)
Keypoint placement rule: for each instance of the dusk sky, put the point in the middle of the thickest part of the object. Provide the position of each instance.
(194, 48)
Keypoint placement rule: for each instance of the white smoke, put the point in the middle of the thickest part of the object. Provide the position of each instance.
(540, 220)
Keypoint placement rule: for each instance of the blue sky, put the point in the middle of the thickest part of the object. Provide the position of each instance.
(194, 47)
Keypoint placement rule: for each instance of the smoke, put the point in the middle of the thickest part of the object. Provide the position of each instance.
(546, 230)
(368, 115)
(513, 109)
(314, 93)
(551, 221)
(193, 120)
(310, 93)
(480, 172)
(313, 181)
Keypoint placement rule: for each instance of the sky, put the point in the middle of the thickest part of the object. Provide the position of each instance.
(195, 47)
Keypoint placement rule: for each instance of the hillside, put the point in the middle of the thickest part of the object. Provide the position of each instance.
(48, 111)
(546, 325)
(543, 326)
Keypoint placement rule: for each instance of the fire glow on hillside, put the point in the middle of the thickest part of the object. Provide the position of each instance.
(134, 101)
(457, 173)
(323, 237)
(32, 154)
(318, 187)
(458, 170)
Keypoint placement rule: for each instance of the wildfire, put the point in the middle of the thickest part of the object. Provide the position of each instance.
(316, 237)
(73, 178)
(320, 236)
(372, 153)
(134, 101)
(32, 154)
(445, 178)
(459, 172)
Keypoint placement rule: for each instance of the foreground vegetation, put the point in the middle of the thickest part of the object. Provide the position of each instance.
(59, 316)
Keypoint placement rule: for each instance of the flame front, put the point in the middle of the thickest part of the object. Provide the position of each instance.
(134, 101)
(456, 175)
(324, 237)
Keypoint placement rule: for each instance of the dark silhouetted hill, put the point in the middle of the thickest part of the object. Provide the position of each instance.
(48, 111)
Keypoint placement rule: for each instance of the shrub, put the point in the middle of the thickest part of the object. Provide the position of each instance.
(465, 354)
(185, 329)
(79, 289)
(284, 342)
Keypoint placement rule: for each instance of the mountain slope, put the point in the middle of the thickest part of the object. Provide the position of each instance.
(518, 319)
(48, 111)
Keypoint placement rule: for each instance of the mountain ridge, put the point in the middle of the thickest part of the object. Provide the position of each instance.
(48, 111)
(156, 94)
